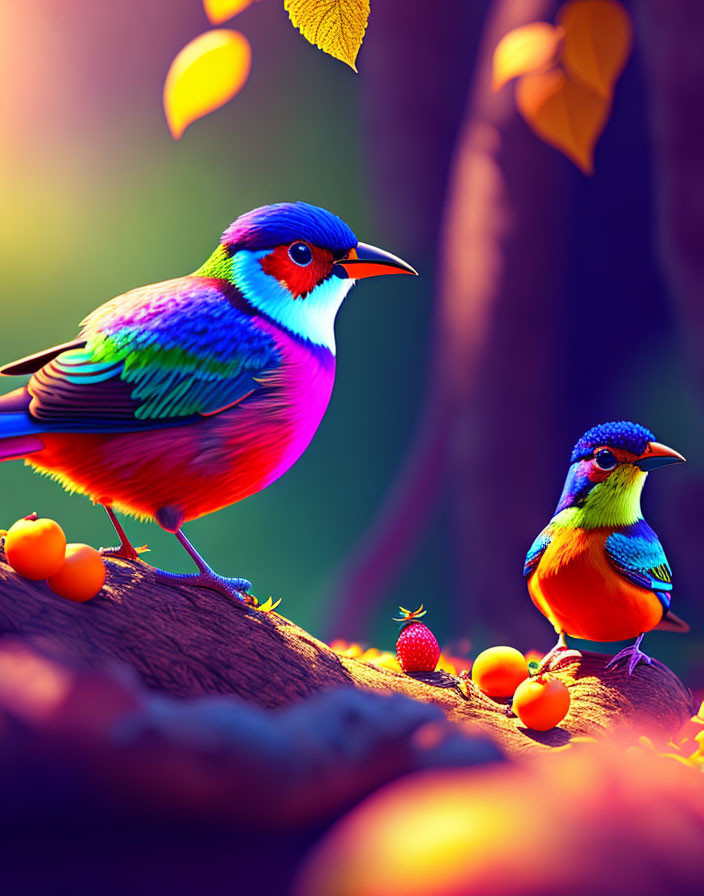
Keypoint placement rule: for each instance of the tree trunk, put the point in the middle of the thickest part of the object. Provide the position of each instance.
(487, 417)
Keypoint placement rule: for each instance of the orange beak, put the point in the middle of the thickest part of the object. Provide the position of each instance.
(368, 261)
(657, 455)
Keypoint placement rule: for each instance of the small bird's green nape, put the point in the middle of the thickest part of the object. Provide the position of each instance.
(608, 468)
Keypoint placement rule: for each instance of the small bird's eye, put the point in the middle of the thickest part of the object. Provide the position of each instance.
(300, 254)
(605, 459)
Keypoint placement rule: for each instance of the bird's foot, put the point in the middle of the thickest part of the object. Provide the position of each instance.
(559, 654)
(633, 654)
(229, 587)
(124, 551)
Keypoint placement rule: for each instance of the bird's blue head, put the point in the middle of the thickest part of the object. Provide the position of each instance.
(607, 472)
(295, 263)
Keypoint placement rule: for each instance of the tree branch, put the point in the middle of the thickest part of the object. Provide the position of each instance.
(188, 642)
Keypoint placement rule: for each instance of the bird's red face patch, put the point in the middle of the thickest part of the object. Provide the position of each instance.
(299, 266)
(605, 460)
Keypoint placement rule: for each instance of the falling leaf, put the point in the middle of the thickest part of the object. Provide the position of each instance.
(598, 37)
(526, 49)
(207, 73)
(219, 11)
(564, 112)
(336, 26)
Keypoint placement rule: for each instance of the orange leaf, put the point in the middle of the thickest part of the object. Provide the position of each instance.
(598, 37)
(525, 49)
(564, 112)
(219, 11)
(207, 73)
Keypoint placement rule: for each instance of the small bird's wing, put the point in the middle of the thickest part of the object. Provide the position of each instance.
(156, 355)
(536, 551)
(636, 553)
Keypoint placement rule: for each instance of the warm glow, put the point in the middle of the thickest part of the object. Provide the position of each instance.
(31, 686)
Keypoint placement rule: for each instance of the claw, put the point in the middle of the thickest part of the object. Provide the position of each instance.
(561, 657)
(125, 551)
(633, 654)
(228, 587)
(558, 655)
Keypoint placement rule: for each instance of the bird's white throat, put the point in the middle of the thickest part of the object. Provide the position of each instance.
(311, 318)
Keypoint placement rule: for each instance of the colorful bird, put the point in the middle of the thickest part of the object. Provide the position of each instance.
(598, 571)
(183, 397)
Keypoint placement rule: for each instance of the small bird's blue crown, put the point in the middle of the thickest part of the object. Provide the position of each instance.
(275, 225)
(622, 434)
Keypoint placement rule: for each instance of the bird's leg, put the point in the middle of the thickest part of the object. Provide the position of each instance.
(126, 550)
(559, 653)
(206, 576)
(633, 654)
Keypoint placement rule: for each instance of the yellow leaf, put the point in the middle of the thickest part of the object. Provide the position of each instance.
(219, 11)
(526, 49)
(269, 605)
(336, 26)
(598, 37)
(207, 73)
(564, 113)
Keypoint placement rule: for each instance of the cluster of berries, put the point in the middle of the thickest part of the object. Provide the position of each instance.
(539, 700)
(36, 549)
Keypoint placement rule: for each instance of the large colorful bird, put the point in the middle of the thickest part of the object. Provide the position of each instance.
(598, 571)
(183, 397)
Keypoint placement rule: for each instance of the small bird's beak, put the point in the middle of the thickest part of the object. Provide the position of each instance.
(657, 455)
(368, 261)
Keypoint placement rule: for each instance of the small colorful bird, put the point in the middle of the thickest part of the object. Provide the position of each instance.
(598, 571)
(183, 397)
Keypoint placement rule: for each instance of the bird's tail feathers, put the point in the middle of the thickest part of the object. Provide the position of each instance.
(672, 623)
(16, 447)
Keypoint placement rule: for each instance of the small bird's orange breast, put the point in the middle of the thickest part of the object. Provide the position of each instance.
(581, 593)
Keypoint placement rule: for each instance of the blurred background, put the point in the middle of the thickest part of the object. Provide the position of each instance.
(548, 301)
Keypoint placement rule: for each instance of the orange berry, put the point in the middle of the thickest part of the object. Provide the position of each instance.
(82, 575)
(498, 671)
(35, 547)
(541, 703)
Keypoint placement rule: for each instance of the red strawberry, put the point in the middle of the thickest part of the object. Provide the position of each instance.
(417, 648)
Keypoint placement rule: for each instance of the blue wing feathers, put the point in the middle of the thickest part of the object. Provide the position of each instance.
(178, 350)
(637, 554)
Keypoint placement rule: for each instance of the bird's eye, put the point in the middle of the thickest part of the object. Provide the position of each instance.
(605, 459)
(300, 254)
